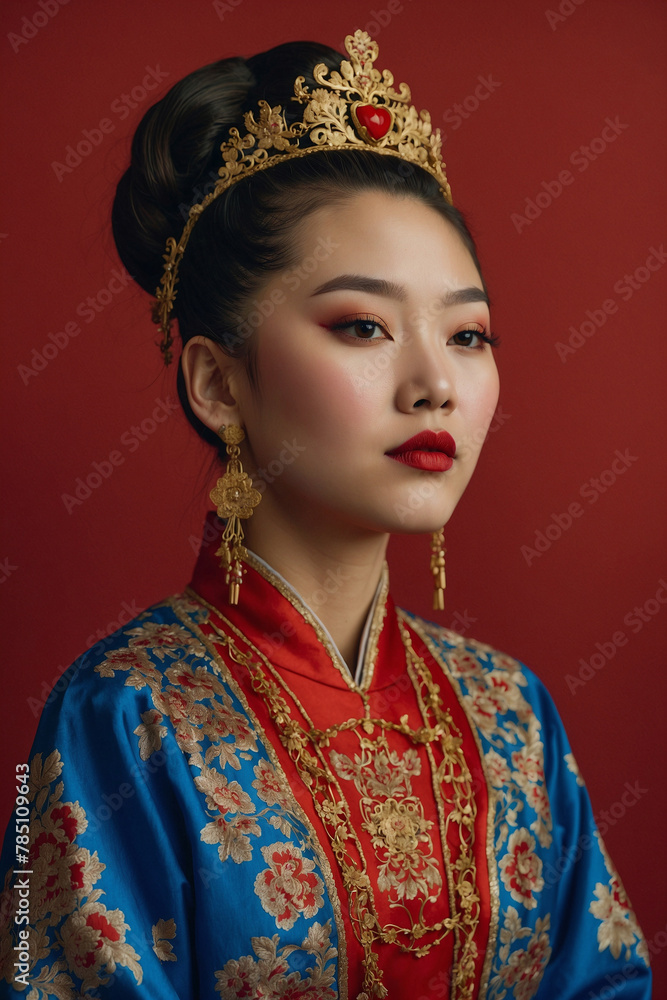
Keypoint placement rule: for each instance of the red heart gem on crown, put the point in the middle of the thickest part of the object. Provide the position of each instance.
(376, 120)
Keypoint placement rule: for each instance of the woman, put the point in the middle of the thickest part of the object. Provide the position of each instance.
(277, 784)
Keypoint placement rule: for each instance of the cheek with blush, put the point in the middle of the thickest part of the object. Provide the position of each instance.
(307, 395)
(480, 406)
(313, 393)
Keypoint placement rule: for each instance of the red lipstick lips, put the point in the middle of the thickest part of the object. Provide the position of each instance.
(428, 450)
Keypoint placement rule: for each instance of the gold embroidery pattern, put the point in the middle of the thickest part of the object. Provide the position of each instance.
(574, 768)
(66, 913)
(164, 931)
(395, 819)
(290, 886)
(488, 685)
(491, 694)
(231, 829)
(521, 869)
(494, 702)
(521, 970)
(451, 775)
(200, 708)
(619, 927)
(270, 782)
(267, 975)
(150, 733)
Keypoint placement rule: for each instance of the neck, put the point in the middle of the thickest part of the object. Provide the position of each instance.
(336, 572)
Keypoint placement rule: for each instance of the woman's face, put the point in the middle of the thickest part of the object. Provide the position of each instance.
(375, 337)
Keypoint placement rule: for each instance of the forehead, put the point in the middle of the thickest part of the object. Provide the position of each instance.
(391, 236)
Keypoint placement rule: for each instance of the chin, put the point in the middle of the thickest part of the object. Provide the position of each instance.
(423, 528)
(424, 507)
(407, 520)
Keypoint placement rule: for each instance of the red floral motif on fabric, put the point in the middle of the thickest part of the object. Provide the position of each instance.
(521, 969)
(526, 966)
(290, 886)
(521, 869)
(68, 924)
(267, 975)
(619, 928)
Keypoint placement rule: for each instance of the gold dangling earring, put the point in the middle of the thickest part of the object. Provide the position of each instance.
(438, 569)
(236, 498)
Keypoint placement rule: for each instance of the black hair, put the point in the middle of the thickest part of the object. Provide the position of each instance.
(248, 233)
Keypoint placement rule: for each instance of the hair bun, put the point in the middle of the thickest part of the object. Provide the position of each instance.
(176, 148)
(174, 152)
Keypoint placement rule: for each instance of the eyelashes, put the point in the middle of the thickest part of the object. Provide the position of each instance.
(482, 335)
(364, 325)
(367, 326)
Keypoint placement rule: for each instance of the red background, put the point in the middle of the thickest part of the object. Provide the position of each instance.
(67, 575)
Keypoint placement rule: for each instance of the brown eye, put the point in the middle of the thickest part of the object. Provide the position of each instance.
(473, 338)
(364, 328)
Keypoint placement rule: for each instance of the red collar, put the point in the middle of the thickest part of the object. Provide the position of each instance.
(275, 619)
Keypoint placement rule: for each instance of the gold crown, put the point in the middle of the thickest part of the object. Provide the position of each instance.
(355, 108)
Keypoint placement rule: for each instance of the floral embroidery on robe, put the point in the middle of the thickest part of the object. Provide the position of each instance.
(535, 870)
(268, 974)
(171, 856)
(394, 817)
(618, 930)
(67, 915)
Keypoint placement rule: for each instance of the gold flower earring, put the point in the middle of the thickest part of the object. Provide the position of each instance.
(236, 498)
(438, 569)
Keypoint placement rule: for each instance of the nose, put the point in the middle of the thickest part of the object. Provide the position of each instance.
(426, 379)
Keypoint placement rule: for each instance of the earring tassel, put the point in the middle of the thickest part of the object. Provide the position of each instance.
(438, 569)
(235, 498)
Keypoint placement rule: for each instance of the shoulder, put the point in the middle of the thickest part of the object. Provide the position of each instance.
(119, 672)
(550, 858)
(472, 661)
(504, 699)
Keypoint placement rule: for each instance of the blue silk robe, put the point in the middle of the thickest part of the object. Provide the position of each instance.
(218, 809)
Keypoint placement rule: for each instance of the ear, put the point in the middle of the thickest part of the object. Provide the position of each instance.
(211, 378)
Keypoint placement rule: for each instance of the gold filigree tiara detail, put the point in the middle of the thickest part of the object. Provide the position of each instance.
(354, 108)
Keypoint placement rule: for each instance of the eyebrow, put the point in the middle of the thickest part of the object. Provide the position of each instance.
(391, 290)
